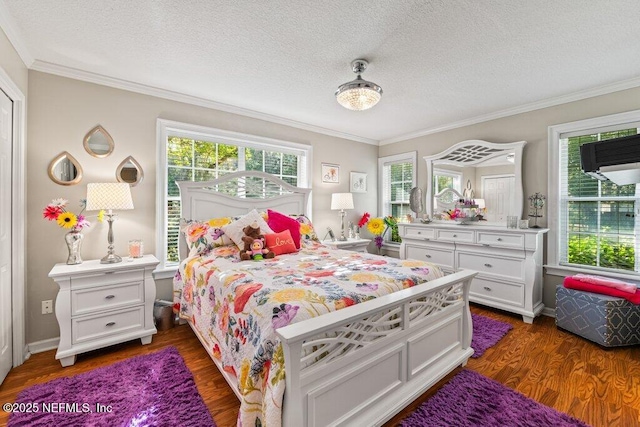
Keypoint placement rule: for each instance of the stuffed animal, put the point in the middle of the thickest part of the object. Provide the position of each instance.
(254, 244)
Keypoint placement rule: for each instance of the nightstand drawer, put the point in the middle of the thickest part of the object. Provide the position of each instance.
(506, 293)
(508, 267)
(90, 328)
(90, 300)
(107, 278)
(504, 240)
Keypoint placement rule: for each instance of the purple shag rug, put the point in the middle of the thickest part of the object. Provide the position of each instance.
(473, 400)
(152, 390)
(486, 333)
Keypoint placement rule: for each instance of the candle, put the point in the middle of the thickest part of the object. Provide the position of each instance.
(136, 248)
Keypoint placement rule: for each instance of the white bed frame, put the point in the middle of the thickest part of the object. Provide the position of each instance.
(360, 365)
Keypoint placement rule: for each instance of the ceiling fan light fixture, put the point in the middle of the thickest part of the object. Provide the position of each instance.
(358, 94)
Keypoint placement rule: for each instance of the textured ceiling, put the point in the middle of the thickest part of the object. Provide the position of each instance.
(438, 61)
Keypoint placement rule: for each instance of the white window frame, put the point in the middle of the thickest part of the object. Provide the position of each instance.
(614, 121)
(445, 172)
(410, 157)
(166, 128)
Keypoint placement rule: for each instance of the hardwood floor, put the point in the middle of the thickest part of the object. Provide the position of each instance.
(561, 370)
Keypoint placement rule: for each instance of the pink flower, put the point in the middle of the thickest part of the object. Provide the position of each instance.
(283, 315)
(363, 220)
(51, 212)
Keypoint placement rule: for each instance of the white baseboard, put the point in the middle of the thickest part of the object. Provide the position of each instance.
(548, 311)
(44, 345)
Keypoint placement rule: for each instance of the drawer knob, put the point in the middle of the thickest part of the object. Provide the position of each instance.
(109, 272)
(499, 239)
(110, 324)
(419, 232)
(487, 265)
(426, 238)
(486, 288)
(455, 235)
(110, 297)
(428, 256)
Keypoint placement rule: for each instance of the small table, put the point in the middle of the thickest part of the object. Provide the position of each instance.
(356, 245)
(103, 304)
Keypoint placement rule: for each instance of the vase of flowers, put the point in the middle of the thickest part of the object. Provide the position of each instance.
(57, 211)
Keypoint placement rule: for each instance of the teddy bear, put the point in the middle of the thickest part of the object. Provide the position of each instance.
(254, 246)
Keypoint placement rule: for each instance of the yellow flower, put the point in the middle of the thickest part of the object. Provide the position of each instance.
(101, 215)
(412, 263)
(365, 277)
(244, 376)
(219, 222)
(67, 220)
(305, 229)
(376, 226)
(288, 295)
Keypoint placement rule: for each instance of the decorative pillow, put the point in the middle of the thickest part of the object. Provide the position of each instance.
(281, 243)
(307, 231)
(234, 230)
(204, 235)
(280, 222)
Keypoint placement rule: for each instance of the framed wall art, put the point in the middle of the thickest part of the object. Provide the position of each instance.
(330, 173)
(358, 182)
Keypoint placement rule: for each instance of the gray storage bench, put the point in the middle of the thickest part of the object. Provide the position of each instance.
(603, 319)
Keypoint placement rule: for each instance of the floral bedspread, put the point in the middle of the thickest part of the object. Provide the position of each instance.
(237, 305)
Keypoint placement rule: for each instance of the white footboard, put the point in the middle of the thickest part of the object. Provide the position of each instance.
(363, 364)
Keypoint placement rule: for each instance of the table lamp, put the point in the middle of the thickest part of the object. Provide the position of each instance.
(341, 201)
(109, 196)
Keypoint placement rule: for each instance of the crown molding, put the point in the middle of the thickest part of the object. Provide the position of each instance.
(538, 105)
(73, 73)
(10, 28)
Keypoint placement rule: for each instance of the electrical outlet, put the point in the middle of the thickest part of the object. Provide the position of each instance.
(47, 306)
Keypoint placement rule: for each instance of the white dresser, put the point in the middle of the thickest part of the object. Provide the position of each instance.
(103, 304)
(508, 261)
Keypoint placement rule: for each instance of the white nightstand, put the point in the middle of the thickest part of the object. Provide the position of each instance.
(356, 245)
(103, 304)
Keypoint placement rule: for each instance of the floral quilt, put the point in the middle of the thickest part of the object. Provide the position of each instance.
(237, 305)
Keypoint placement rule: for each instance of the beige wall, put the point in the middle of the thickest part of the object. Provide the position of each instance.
(12, 64)
(531, 127)
(62, 110)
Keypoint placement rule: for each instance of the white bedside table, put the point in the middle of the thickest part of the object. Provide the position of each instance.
(356, 245)
(103, 304)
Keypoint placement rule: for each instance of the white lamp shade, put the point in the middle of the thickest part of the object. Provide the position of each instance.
(341, 201)
(109, 196)
(480, 203)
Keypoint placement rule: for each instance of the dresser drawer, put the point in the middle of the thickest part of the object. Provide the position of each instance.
(90, 300)
(90, 328)
(505, 240)
(507, 267)
(417, 233)
(439, 256)
(506, 293)
(465, 236)
(107, 278)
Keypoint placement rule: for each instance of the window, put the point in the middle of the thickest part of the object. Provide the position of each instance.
(398, 177)
(195, 153)
(596, 220)
(446, 179)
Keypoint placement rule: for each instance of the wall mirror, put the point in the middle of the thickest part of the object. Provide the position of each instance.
(490, 171)
(130, 171)
(98, 142)
(64, 169)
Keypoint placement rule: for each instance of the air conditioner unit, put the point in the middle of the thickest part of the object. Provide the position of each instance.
(617, 160)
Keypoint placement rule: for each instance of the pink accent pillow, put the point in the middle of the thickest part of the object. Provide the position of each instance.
(280, 243)
(279, 222)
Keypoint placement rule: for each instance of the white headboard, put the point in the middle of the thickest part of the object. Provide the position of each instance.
(236, 194)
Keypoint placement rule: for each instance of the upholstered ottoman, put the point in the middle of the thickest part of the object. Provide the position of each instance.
(605, 320)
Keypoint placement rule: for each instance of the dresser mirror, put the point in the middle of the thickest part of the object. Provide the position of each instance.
(64, 169)
(98, 142)
(130, 171)
(489, 173)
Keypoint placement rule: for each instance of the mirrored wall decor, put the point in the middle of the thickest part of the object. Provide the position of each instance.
(490, 173)
(98, 142)
(129, 170)
(64, 169)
